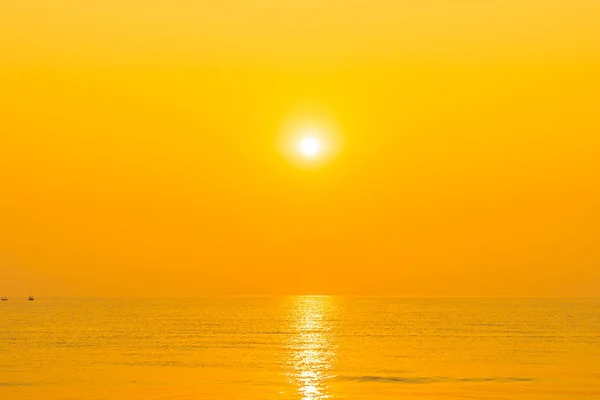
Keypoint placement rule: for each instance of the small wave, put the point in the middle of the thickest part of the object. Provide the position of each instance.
(9, 384)
(434, 379)
(390, 379)
(495, 379)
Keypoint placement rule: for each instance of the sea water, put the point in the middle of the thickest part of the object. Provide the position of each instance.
(303, 348)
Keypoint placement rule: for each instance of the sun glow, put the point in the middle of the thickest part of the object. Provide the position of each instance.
(309, 146)
(309, 140)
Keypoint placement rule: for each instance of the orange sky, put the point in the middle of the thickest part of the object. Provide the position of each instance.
(138, 147)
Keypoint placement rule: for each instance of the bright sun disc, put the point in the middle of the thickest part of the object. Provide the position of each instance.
(309, 146)
(309, 140)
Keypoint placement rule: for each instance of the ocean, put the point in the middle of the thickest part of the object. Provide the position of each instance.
(302, 348)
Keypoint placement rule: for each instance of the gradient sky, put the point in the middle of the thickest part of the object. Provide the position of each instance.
(139, 155)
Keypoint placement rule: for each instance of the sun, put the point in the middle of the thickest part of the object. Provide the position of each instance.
(309, 139)
(309, 146)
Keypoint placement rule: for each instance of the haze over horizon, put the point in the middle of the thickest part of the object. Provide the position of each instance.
(143, 148)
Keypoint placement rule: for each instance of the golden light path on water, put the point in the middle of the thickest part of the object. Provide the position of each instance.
(312, 349)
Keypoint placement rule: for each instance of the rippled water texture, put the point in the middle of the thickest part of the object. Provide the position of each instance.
(304, 348)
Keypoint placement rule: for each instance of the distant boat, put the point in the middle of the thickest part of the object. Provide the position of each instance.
(4, 298)
(31, 298)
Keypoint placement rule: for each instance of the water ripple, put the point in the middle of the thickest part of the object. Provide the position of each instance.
(433, 379)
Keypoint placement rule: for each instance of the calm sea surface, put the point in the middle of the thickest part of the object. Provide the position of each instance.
(306, 348)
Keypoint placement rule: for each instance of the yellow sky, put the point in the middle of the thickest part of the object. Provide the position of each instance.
(139, 147)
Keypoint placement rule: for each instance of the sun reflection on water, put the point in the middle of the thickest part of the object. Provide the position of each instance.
(312, 356)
